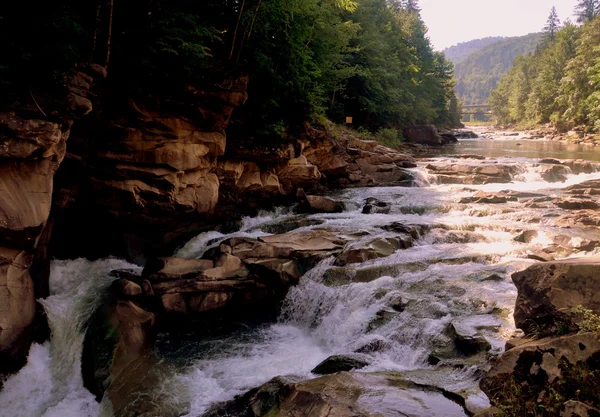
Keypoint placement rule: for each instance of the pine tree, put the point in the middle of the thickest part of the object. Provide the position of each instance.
(412, 6)
(552, 25)
(586, 10)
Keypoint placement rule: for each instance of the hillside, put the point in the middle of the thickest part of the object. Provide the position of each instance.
(463, 50)
(480, 73)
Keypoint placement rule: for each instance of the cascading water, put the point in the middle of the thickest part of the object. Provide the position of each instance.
(51, 385)
(392, 311)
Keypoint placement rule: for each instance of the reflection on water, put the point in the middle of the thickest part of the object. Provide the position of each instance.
(525, 148)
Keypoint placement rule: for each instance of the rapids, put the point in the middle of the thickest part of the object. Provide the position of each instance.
(393, 310)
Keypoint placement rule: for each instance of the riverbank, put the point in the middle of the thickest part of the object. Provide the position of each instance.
(407, 290)
(548, 132)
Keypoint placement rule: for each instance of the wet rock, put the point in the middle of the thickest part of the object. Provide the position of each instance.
(324, 205)
(288, 225)
(527, 236)
(467, 340)
(375, 206)
(469, 156)
(299, 172)
(416, 231)
(570, 204)
(339, 363)
(487, 198)
(448, 138)
(493, 277)
(465, 134)
(377, 248)
(175, 268)
(127, 288)
(479, 173)
(554, 173)
(342, 394)
(424, 135)
(548, 372)
(318, 204)
(377, 345)
(550, 161)
(119, 332)
(547, 292)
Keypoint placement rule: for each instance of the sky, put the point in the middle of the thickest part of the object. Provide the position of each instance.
(454, 21)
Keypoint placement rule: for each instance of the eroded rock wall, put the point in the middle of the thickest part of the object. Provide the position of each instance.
(32, 146)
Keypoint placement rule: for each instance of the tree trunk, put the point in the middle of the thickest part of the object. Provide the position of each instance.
(109, 33)
(236, 29)
(254, 17)
(96, 29)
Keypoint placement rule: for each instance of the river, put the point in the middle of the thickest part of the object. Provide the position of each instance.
(393, 310)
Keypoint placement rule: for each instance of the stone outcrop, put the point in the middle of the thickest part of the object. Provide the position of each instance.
(475, 173)
(548, 374)
(557, 374)
(547, 292)
(31, 150)
(241, 275)
(342, 394)
(427, 135)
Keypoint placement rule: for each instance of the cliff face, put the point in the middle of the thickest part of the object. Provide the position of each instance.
(137, 176)
(31, 150)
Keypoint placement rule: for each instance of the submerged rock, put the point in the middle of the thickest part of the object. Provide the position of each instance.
(339, 363)
(375, 206)
(376, 248)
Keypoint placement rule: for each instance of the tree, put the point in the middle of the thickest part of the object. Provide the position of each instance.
(412, 6)
(552, 25)
(586, 10)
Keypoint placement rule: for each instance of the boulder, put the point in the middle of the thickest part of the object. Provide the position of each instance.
(527, 236)
(482, 197)
(548, 292)
(572, 204)
(342, 394)
(546, 374)
(375, 206)
(376, 248)
(424, 135)
(318, 204)
(554, 173)
(299, 172)
(340, 363)
(175, 268)
(482, 172)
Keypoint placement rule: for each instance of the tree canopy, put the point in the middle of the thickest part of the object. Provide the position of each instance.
(558, 84)
(369, 59)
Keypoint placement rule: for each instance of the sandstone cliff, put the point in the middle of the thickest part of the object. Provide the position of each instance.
(94, 174)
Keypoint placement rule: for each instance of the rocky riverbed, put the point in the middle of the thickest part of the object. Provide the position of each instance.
(381, 301)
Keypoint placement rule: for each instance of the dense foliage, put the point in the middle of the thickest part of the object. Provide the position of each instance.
(463, 50)
(369, 59)
(479, 73)
(559, 84)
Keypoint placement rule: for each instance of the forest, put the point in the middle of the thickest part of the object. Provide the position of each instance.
(306, 59)
(560, 82)
(480, 72)
(463, 50)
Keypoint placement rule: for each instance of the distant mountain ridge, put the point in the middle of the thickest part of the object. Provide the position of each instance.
(479, 73)
(463, 50)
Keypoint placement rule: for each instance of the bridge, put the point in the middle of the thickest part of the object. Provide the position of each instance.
(484, 109)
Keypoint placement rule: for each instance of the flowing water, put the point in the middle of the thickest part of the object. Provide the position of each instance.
(393, 310)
